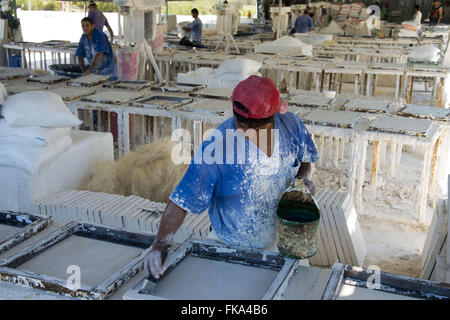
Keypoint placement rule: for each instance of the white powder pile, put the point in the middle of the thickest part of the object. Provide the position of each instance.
(332, 28)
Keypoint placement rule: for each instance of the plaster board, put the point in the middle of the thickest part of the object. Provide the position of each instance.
(88, 81)
(113, 97)
(416, 127)
(344, 119)
(68, 94)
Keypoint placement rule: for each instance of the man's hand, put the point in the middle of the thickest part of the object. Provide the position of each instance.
(153, 263)
(310, 185)
(170, 222)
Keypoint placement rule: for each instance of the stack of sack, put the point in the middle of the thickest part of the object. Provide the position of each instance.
(285, 46)
(335, 8)
(231, 72)
(409, 30)
(427, 53)
(227, 75)
(199, 76)
(34, 128)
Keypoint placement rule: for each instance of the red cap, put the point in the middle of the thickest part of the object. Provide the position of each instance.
(259, 96)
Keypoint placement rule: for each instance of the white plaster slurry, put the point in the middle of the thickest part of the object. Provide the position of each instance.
(200, 278)
(7, 230)
(98, 260)
(356, 293)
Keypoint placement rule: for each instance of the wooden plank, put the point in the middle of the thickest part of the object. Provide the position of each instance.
(36, 225)
(355, 237)
(93, 231)
(436, 248)
(287, 267)
(332, 248)
(304, 283)
(337, 217)
(433, 231)
(320, 258)
(335, 282)
(334, 231)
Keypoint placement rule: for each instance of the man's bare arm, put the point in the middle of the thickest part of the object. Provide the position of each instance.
(81, 63)
(96, 62)
(110, 32)
(171, 221)
(304, 172)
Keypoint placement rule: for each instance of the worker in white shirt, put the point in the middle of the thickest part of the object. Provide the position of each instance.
(417, 18)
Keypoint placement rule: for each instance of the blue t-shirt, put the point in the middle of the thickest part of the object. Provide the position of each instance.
(303, 23)
(196, 32)
(242, 189)
(99, 43)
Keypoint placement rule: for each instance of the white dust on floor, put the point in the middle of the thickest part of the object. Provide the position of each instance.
(98, 260)
(199, 278)
(389, 219)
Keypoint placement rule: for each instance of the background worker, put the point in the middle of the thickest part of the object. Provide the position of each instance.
(417, 18)
(436, 13)
(195, 29)
(95, 47)
(274, 147)
(303, 23)
(99, 19)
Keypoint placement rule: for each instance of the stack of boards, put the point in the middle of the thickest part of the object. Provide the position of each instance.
(340, 234)
(132, 213)
(434, 253)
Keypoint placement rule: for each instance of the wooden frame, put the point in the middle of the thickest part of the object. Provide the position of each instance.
(129, 84)
(216, 251)
(10, 272)
(32, 225)
(173, 100)
(390, 283)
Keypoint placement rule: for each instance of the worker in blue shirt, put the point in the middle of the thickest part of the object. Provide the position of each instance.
(96, 48)
(303, 23)
(195, 28)
(240, 172)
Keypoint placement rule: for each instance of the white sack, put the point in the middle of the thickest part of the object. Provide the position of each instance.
(30, 159)
(39, 109)
(29, 136)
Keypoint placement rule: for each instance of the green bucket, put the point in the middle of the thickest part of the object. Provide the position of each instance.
(297, 227)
